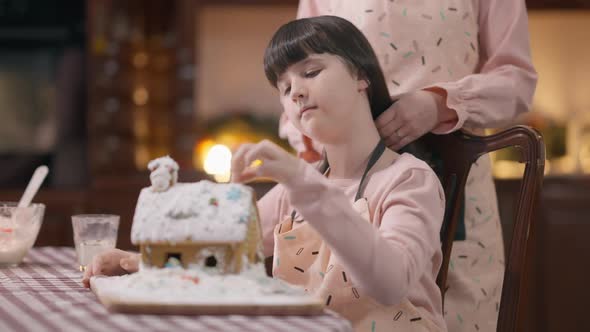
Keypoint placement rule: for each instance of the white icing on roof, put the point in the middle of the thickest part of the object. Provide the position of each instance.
(201, 212)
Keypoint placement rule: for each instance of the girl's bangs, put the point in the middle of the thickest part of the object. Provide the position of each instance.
(292, 43)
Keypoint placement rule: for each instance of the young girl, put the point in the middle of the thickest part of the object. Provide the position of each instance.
(365, 235)
(362, 232)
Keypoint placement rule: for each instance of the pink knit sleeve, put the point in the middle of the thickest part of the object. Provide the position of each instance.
(269, 210)
(383, 259)
(504, 86)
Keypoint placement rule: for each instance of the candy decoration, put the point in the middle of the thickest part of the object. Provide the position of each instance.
(172, 262)
(234, 194)
(194, 279)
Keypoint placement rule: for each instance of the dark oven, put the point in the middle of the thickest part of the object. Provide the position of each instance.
(42, 45)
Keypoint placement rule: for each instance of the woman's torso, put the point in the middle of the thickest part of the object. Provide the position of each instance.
(418, 43)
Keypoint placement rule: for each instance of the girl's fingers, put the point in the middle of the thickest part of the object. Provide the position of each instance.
(128, 264)
(247, 176)
(264, 151)
(238, 156)
(242, 169)
(237, 162)
(86, 277)
(97, 265)
(273, 162)
(264, 169)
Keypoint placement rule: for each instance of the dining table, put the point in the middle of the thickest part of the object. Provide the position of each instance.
(45, 293)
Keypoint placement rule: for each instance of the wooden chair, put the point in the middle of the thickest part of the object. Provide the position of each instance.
(458, 152)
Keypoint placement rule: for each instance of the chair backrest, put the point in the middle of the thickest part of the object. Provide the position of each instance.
(458, 151)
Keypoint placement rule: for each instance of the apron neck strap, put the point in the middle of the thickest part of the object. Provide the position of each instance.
(375, 155)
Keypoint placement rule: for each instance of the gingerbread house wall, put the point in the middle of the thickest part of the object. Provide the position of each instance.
(156, 254)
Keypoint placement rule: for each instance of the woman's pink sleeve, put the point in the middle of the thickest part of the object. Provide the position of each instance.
(269, 211)
(504, 86)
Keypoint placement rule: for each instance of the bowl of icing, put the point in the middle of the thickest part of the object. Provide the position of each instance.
(19, 227)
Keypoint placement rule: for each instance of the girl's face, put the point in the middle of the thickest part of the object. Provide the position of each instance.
(321, 96)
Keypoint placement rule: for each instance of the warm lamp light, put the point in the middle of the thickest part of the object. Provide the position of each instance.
(140, 96)
(218, 162)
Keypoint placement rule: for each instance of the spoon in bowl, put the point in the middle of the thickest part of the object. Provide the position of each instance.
(6, 225)
(33, 186)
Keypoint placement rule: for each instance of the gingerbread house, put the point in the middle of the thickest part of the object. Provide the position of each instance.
(203, 224)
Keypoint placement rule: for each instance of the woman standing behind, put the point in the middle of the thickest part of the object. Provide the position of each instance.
(457, 64)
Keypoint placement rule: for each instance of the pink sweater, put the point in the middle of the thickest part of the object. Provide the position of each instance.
(397, 254)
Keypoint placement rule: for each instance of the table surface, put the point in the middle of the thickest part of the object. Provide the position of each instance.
(44, 293)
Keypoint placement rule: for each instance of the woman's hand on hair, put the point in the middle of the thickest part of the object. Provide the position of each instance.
(264, 159)
(411, 116)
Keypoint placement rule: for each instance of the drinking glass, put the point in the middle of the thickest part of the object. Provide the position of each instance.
(93, 234)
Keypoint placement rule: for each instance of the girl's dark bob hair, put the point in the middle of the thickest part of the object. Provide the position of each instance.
(298, 39)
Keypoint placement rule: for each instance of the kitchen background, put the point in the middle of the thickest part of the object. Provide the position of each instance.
(97, 88)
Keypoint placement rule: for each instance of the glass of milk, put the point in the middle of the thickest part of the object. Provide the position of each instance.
(93, 234)
(19, 228)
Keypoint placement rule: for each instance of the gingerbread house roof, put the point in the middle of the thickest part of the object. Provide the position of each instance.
(203, 212)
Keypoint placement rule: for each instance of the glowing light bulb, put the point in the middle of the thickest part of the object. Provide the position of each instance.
(218, 163)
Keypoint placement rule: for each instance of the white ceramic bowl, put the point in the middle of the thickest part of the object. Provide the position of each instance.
(19, 228)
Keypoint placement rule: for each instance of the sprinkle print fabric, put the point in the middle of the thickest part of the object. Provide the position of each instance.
(302, 258)
(410, 54)
(476, 269)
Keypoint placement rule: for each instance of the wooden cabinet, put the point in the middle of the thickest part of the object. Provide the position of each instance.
(140, 87)
(558, 256)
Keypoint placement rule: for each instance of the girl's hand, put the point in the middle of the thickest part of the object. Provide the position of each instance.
(413, 115)
(273, 162)
(113, 262)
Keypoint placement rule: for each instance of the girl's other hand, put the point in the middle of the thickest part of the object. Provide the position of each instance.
(411, 116)
(272, 162)
(113, 262)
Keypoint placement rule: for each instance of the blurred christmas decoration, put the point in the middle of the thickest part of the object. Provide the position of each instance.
(506, 161)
